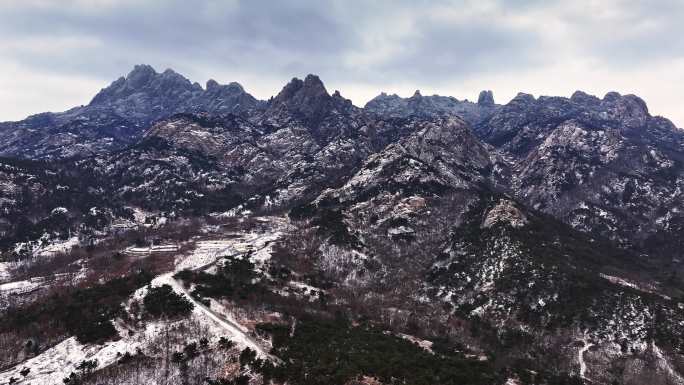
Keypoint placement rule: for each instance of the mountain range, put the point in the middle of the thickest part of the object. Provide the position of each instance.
(548, 230)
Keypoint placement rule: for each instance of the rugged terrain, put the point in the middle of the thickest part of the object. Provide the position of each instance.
(430, 239)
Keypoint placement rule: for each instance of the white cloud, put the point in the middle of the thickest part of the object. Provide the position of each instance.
(56, 4)
(48, 45)
(25, 92)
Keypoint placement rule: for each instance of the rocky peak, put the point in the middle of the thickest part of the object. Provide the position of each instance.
(140, 75)
(235, 86)
(211, 84)
(169, 73)
(216, 89)
(448, 141)
(635, 103)
(631, 110)
(170, 80)
(150, 95)
(299, 92)
(486, 98)
(338, 98)
(289, 91)
(143, 79)
(584, 98)
(612, 96)
(433, 106)
(523, 98)
(313, 82)
(223, 98)
(521, 102)
(382, 98)
(308, 99)
(385, 104)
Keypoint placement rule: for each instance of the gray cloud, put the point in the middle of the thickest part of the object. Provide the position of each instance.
(246, 33)
(444, 51)
(354, 44)
(261, 35)
(630, 32)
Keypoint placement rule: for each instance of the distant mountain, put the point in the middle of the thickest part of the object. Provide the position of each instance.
(605, 166)
(147, 95)
(118, 114)
(435, 105)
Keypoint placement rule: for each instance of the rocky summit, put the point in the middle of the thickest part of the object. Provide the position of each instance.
(175, 233)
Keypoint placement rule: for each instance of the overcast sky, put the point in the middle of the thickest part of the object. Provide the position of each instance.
(55, 54)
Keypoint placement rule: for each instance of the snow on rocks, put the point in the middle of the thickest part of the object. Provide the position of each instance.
(59, 210)
(399, 231)
(263, 246)
(631, 285)
(580, 357)
(5, 271)
(19, 287)
(28, 286)
(46, 247)
(505, 212)
(424, 344)
(663, 365)
(206, 253)
(134, 250)
(56, 363)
